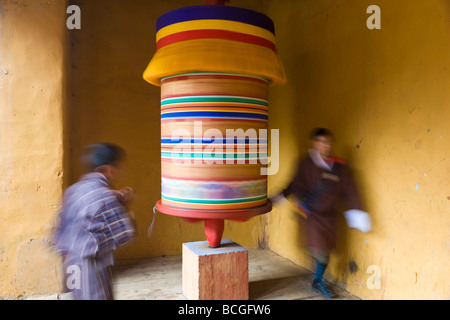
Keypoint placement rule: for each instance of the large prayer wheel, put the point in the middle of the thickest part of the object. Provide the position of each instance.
(214, 65)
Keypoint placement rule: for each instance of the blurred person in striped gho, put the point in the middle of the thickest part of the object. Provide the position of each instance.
(93, 223)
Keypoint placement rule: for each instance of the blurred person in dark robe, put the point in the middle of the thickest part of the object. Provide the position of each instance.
(93, 223)
(321, 185)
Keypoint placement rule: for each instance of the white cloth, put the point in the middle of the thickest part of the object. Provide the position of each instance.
(358, 219)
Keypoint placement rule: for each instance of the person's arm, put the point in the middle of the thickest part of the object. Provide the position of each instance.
(297, 186)
(61, 222)
(297, 189)
(126, 196)
(355, 216)
(116, 226)
(350, 194)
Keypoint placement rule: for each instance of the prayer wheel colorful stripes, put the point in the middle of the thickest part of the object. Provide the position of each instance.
(208, 161)
(214, 64)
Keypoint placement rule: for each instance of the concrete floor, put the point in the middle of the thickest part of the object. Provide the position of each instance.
(271, 277)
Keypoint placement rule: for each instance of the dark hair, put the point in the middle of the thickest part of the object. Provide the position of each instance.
(320, 132)
(98, 154)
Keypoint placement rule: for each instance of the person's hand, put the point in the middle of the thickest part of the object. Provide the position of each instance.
(126, 195)
(278, 199)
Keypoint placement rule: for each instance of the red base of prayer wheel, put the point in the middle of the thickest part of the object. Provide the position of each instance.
(213, 219)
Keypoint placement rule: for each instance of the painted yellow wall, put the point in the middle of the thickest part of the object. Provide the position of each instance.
(32, 100)
(385, 93)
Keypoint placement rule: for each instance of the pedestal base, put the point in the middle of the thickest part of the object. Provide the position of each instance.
(215, 274)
